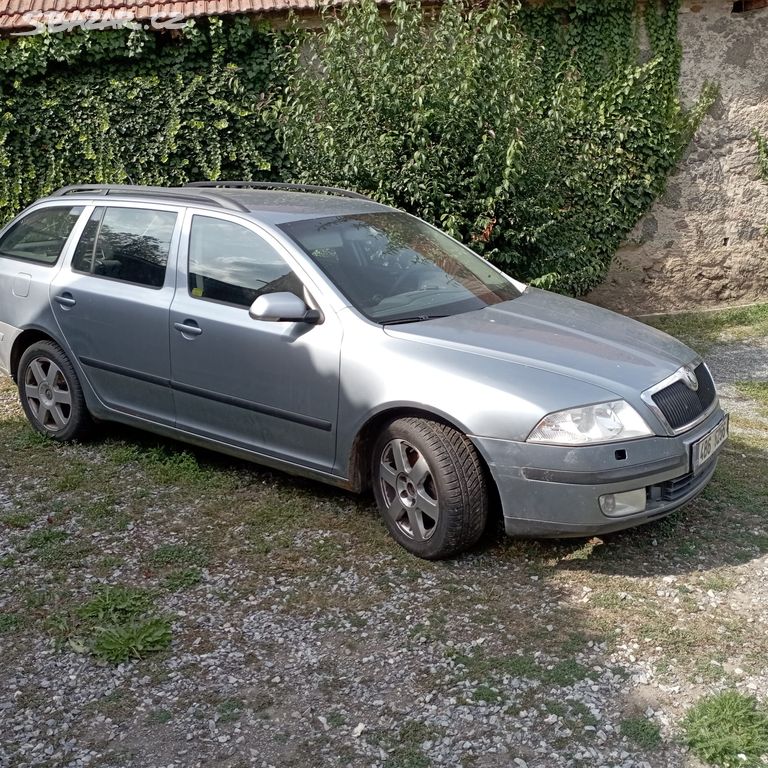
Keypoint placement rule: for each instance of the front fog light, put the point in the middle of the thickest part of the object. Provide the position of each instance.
(620, 504)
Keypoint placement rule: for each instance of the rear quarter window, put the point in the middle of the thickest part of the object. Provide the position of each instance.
(41, 235)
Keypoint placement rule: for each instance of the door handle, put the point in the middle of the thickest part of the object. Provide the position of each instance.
(188, 328)
(65, 299)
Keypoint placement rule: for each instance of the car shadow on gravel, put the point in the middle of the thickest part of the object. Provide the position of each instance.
(726, 526)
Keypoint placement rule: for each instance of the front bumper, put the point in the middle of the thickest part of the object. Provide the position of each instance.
(554, 491)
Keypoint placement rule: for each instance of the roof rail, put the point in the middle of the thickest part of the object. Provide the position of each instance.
(175, 194)
(277, 185)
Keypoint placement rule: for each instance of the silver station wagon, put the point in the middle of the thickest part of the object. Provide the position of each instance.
(318, 332)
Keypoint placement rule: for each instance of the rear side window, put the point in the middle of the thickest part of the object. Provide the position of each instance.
(231, 264)
(128, 244)
(40, 236)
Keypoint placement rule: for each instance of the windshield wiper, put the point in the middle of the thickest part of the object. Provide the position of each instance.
(413, 319)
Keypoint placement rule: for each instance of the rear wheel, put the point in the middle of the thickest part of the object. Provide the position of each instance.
(50, 392)
(429, 486)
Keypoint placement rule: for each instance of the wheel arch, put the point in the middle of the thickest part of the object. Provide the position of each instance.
(23, 341)
(362, 445)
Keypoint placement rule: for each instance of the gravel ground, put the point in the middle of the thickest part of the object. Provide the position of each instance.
(303, 637)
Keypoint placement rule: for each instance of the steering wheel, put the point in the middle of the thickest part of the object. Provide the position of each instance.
(410, 279)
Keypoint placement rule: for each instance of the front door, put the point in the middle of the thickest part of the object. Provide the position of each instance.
(270, 387)
(112, 304)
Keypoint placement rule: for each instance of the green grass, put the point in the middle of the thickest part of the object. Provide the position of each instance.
(182, 579)
(728, 729)
(230, 710)
(701, 330)
(757, 391)
(45, 538)
(167, 464)
(18, 519)
(641, 731)
(10, 622)
(406, 749)
(565, 673)
(52, 547)
(159, 717)
(486, 693)
(482, 667)
(176, 555)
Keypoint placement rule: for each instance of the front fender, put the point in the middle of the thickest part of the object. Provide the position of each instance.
(480, 396)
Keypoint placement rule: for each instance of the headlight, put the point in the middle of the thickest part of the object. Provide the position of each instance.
(601, 423)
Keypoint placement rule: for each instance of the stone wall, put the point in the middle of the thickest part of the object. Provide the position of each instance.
(705, 242)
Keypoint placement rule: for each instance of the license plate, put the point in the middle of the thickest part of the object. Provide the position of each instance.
(704, 449)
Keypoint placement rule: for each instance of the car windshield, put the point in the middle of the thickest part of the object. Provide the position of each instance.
(393, 267)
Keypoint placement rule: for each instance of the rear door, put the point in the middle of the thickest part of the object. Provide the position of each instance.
(112, 303)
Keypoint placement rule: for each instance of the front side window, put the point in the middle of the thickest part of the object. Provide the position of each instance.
(231, 264)
(128, 244)
(40, 236)
(396, 268)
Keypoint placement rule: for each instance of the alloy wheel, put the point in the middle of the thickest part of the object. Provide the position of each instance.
(408, 490)
(47, 393)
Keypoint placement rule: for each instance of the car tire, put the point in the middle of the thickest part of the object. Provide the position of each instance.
(430, 487)
(50, 392)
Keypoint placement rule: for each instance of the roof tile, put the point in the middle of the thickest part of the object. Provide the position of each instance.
(12, 11)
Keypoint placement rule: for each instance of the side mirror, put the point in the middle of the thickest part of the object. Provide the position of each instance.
(283, 307)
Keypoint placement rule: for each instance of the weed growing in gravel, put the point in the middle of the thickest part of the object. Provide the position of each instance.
(564, 673)
(336, 719)
(480, 665)
(182, 579)
(52, 548)
(176, 554)
(728, 729)
(582, 713)
(115, 625)
(116, 605)
(405, 751)
(230, 710)
(485, 692)
(72, 477)
(45, 538)
(18, 520)
(9, 622)
(120, 642)
(159, 717)
(643, 732)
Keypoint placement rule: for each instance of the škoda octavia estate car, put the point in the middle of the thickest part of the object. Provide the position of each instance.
(318, 332)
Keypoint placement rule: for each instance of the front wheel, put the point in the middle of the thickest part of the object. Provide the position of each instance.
(429, 486)
(50, 392)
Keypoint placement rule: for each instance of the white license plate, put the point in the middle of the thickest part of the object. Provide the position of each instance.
(704, 449)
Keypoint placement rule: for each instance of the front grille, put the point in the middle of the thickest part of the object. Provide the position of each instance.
(681, 405)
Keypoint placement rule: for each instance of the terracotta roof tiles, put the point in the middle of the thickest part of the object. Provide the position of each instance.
(12, 12)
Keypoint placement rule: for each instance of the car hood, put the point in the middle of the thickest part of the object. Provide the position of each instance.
(568, 337)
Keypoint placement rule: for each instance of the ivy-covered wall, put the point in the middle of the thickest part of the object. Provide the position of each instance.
(537, 136)
(705, 240)
(124, 106)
